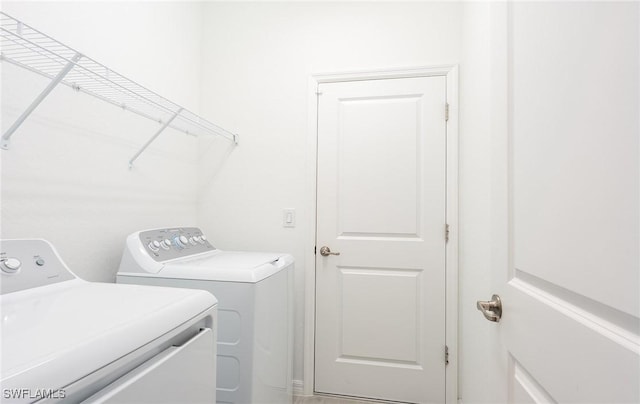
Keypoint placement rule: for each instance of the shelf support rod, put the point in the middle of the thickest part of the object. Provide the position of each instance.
(164, 126)
(56, 80)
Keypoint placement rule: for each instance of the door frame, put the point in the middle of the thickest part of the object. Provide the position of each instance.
(305, 387)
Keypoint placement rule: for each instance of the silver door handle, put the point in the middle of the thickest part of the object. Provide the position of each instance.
(326, 251)
(492, 309)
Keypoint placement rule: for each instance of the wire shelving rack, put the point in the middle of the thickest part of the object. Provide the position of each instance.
(33, 50)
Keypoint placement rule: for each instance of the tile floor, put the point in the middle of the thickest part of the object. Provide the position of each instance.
(328, 400)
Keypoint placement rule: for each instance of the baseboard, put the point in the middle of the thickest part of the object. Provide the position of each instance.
(298, 388)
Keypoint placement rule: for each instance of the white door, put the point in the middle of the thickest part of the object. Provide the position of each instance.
(566, 206)
(380, 304)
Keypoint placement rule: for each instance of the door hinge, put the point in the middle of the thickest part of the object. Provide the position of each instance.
(446, 111)
(446, 355)
(446, 233)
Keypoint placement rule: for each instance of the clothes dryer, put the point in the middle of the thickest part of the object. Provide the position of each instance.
(254, 292)
(68, 340)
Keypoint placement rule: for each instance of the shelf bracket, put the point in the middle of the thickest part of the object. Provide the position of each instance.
(56, 80)
(144, 147)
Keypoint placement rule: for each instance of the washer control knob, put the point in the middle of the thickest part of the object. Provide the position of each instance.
(197, 239)
(203, 237)
(180, 241)
(154, 246)
(166, 244)
(192, 240)
(11, 265)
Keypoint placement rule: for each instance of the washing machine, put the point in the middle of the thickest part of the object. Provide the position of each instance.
(254, 292)
(68, 340)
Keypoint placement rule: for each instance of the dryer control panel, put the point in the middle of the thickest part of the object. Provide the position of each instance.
(30, 263)
(176, 242)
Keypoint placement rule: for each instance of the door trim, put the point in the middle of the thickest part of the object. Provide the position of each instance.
(450, 71)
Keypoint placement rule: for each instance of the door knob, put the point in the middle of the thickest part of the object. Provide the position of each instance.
(326, 251)
(492, 309)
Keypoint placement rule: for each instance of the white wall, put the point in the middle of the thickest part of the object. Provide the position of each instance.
(65, 177)
(258, 58)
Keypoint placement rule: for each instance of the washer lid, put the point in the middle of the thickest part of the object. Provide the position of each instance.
(57, 334)
(229, 266)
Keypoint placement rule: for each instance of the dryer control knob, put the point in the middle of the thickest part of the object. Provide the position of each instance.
(180, 241)
(154, 246)
(203, 237)
(11, 265)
